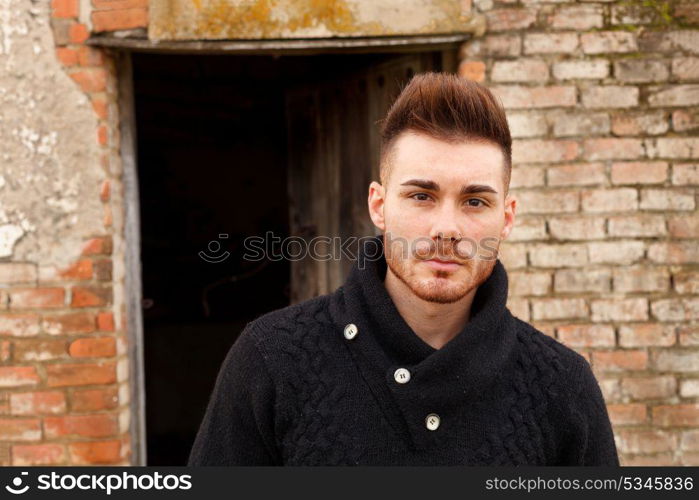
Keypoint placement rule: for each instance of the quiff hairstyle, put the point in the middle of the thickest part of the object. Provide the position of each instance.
(450, 108)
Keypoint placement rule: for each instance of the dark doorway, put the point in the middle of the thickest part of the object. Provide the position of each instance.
(213, 158)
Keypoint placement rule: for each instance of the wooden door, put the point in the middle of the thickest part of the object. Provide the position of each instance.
(333, 151)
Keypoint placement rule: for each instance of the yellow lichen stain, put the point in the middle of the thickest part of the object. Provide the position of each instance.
(254, 19)
(260, 19)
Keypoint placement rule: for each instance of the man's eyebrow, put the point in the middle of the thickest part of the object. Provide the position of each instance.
(465, 190)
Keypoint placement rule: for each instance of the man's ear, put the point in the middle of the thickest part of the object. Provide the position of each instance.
(510, 210)
(376, 202)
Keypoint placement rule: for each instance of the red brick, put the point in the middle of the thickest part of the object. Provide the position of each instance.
(37, 403)
(681, 415)
(472, 70)
(586, 335)
(576, 228)
(643, 225)
(93, 347)
(548, 201)
(94, 426)
(61, 375)
(38, 454)
(683, 174)
(558, 255)
(630, 309)
(102, 135)
(520, 97)
(99, 104)
(98, 246)
(576, 175)
(19, 325)
(611, 148)
(520, 70)
(667, 199)
(17, 272)
(105, 322)
(103, 269)
(88, 296)
(64, 8)
(675, 360)
(651, 172)
(78, 33)
(610, 96)
(544, 151)
(550, 43)
(674, 147)
(95, 452)
(40, 349)
(76, 322)
(683, 226)
(16, 376)
(20, 429)
(602, 42)
(91, 79)
(609, 200)
(37, 298)
(510, 19)
(104, 189)
(658, 387)
(119, 19)
(582, 280)
(548, 309)
(94, 400)
(507, 45)
(646, 441)
(678, 252)
(577, 17)
(686, 281)
(627, 414)
(118, 4)
(79, 270)
(634, 123)
(89, 56)
(68, 57)
(646, 334)
(626, 360)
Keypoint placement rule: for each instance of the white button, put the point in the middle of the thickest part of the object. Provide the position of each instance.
(432, 421)
(351, 331)
(402, 375)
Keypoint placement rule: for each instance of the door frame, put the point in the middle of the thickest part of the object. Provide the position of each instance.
(122, 49)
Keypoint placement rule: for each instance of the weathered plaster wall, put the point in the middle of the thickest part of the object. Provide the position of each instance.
(50, 173)
(64, 396)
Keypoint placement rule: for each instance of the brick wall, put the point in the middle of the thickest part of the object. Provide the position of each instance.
(64, 394)
(603, 104)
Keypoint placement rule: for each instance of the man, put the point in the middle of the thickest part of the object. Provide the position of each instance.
(415, 360)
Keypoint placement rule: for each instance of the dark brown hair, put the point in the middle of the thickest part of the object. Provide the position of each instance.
(450, 108)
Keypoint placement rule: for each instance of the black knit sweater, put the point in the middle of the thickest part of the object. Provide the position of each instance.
(295, 390)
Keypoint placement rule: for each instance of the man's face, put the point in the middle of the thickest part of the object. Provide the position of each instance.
(436, 194)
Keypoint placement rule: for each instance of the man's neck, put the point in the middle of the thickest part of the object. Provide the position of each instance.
(433, 322)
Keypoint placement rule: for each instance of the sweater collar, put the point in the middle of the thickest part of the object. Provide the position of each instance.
(442, 380)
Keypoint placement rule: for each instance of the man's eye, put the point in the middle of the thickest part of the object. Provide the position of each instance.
(475, 202)
(424, 196)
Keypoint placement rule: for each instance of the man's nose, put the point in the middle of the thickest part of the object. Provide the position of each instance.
(446, 226)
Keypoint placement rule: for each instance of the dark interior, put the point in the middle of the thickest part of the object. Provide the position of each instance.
(211, 156)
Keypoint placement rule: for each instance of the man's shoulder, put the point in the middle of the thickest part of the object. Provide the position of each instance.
(291, 321)
(548, 352)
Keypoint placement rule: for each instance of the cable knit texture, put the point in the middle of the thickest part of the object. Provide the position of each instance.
(293, 390)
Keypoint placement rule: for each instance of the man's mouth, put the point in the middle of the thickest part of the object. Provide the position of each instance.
(443, 264)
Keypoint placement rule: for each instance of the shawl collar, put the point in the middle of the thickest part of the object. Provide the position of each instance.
(442, 380)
